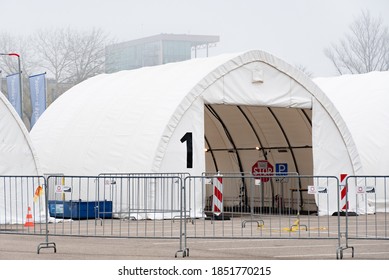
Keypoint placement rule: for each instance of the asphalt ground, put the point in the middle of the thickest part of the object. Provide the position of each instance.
(270, 237)
(24, 247)
(145, 258)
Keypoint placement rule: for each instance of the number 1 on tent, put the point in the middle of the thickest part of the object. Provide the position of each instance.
(189, 149)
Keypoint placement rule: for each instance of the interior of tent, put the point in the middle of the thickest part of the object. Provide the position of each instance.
(274, 134)
(278, 135)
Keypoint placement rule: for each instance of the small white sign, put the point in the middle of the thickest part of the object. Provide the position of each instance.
(360, 189)
(317, 190)
(58, 189)
(364, 189)
(312, 190)
(62, 189)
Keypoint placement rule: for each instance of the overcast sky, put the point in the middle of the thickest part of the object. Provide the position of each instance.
(296, 31)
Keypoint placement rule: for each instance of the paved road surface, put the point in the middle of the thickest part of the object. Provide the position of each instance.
(24, 247)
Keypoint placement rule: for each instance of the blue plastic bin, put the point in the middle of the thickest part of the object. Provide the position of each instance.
(80, 209)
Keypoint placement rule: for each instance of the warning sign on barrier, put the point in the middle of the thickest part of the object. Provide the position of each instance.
(364, 189)
(317, 190)
(62, 189)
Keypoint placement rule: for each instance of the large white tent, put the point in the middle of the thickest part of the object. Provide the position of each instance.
(240, 107)
(362, 101)
(17, 158)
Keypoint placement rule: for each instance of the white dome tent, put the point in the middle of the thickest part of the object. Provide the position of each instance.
(233, 105)
(362, 101)
(17, 158)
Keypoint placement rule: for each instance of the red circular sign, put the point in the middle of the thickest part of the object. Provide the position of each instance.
(264, 168)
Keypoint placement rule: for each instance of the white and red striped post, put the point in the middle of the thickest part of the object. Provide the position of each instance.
(343, 193)
(217, 201)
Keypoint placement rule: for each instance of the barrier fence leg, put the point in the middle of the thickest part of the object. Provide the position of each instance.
(183, 249)
(47, 244)
(343, 190)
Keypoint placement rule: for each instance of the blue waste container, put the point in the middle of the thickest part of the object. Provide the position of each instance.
(80, 209)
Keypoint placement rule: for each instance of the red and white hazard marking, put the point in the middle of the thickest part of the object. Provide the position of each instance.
(217, 202)
(343, 193)
(343, 197)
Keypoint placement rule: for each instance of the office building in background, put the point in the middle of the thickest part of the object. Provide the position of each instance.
(156, 50)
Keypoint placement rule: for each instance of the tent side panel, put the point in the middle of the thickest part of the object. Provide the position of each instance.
(330, 158)
(17, 158)
(185, 150)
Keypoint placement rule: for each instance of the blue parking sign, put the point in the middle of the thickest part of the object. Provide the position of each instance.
(281, 169)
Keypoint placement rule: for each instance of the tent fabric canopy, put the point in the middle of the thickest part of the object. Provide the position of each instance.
(126, 121)
(17, 159)
(362, 101)
(16, 150)
(134, 121)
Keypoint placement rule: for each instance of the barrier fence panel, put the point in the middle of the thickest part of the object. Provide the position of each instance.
(367, 214)
(128, 206)
(179, 206)
(22, 204)
(284, 207)
(23, 207)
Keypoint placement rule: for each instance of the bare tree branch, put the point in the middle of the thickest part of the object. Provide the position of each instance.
(53, 54)
(86, 54)
(364, 49)
(67, 55)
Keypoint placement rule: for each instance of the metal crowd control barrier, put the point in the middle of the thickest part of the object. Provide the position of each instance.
(259, 208)
(128, 206)
(23, 207)
(220, 206)
(367, 211)
(182, 175)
